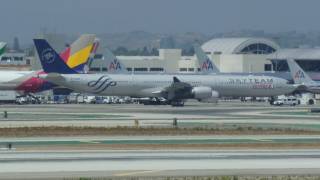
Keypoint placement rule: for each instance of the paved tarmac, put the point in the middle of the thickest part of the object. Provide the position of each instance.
(36, 142)
(157, 163)
(31, 163)
(226, 114)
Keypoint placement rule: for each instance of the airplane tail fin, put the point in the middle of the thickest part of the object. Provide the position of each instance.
(80, 52)
(113, 64)
(95, 46)
(206, 65)
(2, 47)
(93, 52)
(66, 53)
(50, 60)
(297, 73)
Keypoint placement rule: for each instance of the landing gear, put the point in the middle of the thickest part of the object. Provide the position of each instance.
(154, 101)
(177, 103)
(272, 99)
(34, 99)
(311, 102)
(28, 99)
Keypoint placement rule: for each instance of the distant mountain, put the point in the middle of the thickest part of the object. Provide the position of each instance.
(141, 39)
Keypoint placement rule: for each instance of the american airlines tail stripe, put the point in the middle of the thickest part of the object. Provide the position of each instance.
(95, 47)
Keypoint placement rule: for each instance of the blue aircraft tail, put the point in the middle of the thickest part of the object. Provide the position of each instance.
(50, 60)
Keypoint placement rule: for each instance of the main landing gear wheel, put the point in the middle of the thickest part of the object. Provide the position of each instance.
(177, 103)
(271, 101)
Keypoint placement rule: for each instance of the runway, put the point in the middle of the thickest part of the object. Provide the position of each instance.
(61, 156)
(34, 143)
(223, 114)
(157, 163)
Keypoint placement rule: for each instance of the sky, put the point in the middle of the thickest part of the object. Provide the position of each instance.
(26, 18)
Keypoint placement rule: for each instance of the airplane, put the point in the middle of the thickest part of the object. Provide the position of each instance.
(25, 82)
(114, 66)
(205, 64)
(301, 77)
(2, 47)
(175, 88)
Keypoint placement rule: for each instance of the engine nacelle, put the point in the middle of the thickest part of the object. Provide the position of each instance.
(205, 94)
(213, 99)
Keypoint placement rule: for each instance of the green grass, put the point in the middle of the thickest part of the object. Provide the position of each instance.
(298, 113)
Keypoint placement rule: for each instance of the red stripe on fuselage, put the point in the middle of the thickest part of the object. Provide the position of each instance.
(32, 84)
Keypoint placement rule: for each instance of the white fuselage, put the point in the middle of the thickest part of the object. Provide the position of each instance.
(9, 80)
(314, 88)
(147, 85)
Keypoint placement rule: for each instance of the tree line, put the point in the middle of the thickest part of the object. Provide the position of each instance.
(123, 51)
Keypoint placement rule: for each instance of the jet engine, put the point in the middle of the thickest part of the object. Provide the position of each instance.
(205, 94)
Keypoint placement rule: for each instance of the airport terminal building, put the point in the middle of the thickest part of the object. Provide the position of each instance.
(229, 55)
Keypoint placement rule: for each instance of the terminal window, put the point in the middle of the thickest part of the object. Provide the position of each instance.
(306, 65)
(98, 56)
(268, 67)
(309, 65)
(156, 69)
(94, 69)
(258, 48)
(5, 58)
(16, 58)
(140, 69)
(280, 65)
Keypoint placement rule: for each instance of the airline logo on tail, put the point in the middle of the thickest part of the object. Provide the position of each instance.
(299, 75)
(207, 65)
(48, 56)
(114, 65)
(2, 47)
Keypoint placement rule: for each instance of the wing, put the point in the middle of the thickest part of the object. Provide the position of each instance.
(177, 90)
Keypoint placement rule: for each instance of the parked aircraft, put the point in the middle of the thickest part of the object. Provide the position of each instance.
(114, 66)
(25, 82)
(206, 66)
(174, 88)
(301, 77)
